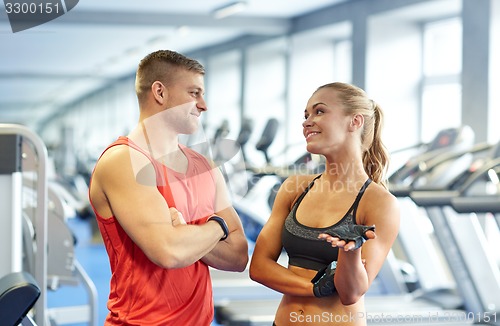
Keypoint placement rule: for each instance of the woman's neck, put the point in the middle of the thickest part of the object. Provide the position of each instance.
(344, 170)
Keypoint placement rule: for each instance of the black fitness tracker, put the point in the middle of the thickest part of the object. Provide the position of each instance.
(222, 224)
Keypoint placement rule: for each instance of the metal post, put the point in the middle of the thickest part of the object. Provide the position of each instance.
(40, 214)
(11, 205)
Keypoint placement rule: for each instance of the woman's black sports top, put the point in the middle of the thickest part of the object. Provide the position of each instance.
(301, 242)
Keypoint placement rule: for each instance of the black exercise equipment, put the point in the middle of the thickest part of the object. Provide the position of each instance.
(244, 135)
(18, 294)
(267, 137)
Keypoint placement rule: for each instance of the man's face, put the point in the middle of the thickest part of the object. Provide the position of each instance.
(185, 102)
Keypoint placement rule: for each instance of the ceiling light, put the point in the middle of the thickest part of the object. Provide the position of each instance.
(159, 40)
(229, 9)
(183, 30)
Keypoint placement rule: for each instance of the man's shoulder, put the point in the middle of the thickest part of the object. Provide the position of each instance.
(120, 155)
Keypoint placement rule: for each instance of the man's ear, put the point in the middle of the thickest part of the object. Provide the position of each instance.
(357, 122)
(159, 92)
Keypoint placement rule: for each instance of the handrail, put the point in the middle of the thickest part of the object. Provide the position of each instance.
(40, 214)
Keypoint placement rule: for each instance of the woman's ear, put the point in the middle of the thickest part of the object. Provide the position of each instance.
(357, 122)
(159, 92)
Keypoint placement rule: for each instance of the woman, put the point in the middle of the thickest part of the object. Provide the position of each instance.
(318, 219)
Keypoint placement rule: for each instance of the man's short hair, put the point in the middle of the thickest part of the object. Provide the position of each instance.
(161, 66)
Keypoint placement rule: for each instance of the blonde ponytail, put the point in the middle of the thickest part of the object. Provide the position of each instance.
(376, 157)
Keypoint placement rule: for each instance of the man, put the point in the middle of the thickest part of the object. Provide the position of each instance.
(162, 209)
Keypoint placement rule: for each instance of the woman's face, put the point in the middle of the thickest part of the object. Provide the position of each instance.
(326, 124)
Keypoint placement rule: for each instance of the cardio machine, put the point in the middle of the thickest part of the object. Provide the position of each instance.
(462, 237)
(34, 238)
(486, 199)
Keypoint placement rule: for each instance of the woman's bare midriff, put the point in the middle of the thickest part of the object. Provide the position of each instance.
(295, 310)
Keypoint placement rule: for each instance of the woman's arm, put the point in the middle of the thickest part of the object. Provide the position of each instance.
(356, 269)
(264, 268)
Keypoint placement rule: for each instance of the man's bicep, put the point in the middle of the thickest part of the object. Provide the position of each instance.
(138, 207)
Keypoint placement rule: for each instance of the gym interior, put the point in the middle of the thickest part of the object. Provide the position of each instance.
(67, 91)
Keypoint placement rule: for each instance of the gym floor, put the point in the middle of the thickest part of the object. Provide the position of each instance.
(93, 258)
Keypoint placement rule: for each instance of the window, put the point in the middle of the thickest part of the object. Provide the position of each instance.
(441, 87)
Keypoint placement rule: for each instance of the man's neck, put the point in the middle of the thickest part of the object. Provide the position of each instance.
(155, 138)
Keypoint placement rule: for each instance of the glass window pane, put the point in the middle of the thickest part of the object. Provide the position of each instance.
(443, 47)
(265, 96)
(223, 77)
(343, 61)
(441, 109)
(311, 69)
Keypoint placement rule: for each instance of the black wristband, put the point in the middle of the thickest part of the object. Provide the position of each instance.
(222, 224)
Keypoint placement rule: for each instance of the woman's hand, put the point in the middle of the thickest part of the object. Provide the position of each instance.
(349, 238)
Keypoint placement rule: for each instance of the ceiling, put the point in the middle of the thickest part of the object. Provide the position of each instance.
(97, 42)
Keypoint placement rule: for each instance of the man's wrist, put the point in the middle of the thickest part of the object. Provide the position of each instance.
(222, 224)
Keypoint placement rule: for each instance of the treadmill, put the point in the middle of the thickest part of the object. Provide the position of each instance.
(473, 266)
(489, 200)
(447, 156)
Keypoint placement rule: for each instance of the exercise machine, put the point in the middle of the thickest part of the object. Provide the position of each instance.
(11, 138)
(486, 199)
(18, 294)
(447, 156)
(250, 199)
(472, 261)
(31, 212)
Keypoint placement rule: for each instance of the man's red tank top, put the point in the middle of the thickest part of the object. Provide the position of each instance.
(141, 292)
